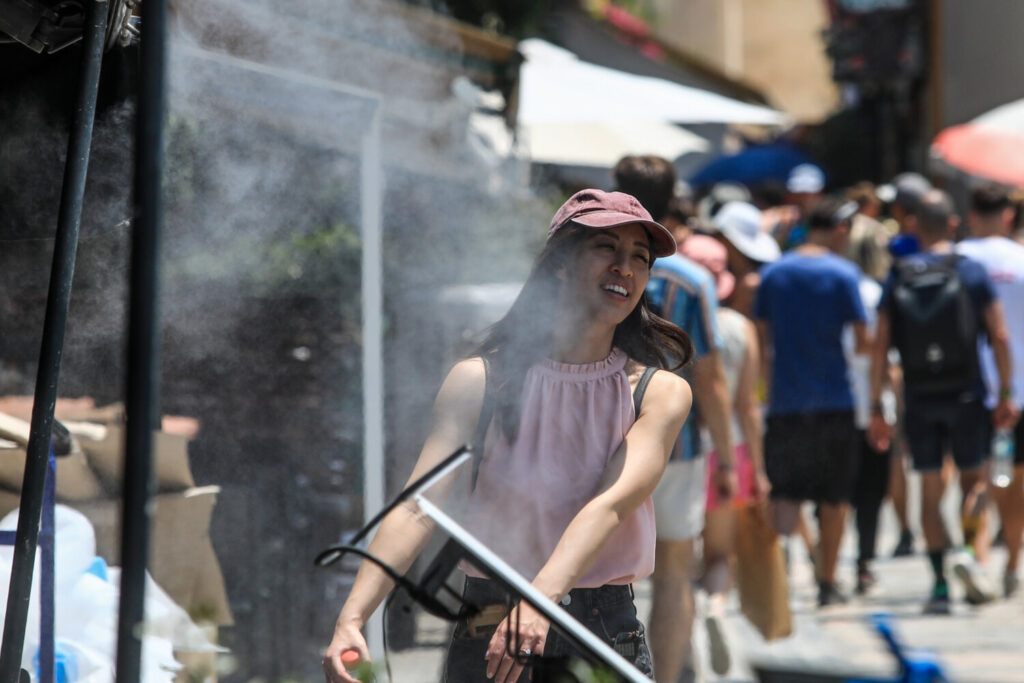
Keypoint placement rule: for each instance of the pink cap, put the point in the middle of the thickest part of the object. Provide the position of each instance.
(710, 253)
(599, 209)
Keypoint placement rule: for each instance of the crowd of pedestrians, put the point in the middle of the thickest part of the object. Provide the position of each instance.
(875, 332)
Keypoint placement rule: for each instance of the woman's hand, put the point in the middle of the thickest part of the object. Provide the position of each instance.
(726, 483)
(879, 433)
(523, 632)
(1006, 414)
(347, 638)
(762, 487)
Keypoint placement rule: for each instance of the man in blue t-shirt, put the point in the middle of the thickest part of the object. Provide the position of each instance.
(951, 414)
(805, 301)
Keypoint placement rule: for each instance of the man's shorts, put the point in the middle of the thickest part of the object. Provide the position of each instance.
(812, 456)
(936, 425)
(679, 500)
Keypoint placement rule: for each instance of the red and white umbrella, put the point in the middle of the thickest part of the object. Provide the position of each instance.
(990, 146)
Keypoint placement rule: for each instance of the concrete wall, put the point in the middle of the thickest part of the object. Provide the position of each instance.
(784, 54)
(774, 45)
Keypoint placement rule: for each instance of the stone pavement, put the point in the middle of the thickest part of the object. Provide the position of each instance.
(983, 644)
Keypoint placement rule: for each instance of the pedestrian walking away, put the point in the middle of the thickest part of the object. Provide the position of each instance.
(569, 461)
(806, 300)
(907, 190)
(740, 358)
(989, 223)
(934, 308)
(868, 250)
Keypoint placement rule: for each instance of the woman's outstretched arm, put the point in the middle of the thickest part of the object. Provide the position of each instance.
(405, 531)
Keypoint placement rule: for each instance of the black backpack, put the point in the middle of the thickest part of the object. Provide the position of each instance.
(934, 326)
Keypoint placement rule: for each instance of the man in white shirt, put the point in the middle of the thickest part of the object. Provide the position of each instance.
(990, 221)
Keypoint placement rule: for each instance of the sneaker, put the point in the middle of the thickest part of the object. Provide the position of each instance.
(865, 581)
(1011, 582)
(829, 595)
(720, 660)
(975, 582)
(905, 547)
(938, 601)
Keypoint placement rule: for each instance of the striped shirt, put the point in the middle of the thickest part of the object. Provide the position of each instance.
(683, 292)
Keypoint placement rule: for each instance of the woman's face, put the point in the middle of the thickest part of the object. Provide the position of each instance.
(610, 272)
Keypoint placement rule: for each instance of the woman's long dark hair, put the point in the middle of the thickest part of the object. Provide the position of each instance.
(524, 336)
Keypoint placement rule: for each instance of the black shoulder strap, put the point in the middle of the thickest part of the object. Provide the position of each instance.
(641, 388)
(486, 413)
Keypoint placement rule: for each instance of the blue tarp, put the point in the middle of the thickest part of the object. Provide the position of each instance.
(753, 166)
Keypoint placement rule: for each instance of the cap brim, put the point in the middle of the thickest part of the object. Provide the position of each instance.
(662, 241)
(847, 211)
(886, 193)
(762, 248)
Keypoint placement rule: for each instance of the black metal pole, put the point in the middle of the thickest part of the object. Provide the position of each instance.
(54, 324)
(143, 367)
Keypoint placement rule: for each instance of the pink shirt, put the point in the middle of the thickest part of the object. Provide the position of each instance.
(574, 417)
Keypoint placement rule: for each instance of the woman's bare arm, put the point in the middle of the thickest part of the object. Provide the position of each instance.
(748, 408)
(405, 531)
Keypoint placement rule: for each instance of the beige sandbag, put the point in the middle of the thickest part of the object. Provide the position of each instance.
(76, 480)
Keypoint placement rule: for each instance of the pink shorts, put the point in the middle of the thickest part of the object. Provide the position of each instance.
(744, 475)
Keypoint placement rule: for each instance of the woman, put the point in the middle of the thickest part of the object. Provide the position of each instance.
(568, 465)
(740, 353)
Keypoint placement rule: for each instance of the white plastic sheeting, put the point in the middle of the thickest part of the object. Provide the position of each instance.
(86, 595)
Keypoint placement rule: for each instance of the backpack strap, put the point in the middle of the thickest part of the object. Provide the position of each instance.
(486, 413)
(641, 389)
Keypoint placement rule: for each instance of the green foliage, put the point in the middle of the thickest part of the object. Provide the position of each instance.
(367, 672)
(584, 672)
(325, 257)
(287, 234)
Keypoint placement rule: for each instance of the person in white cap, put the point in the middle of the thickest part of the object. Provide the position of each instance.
(804, 186)
(990, 220)
(739, 226)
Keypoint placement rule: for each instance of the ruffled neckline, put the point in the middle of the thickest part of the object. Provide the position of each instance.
(613, 363)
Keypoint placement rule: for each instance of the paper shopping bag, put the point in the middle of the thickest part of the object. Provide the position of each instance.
(761, 574)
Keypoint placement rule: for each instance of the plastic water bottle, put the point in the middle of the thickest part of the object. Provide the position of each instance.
(1002, 458)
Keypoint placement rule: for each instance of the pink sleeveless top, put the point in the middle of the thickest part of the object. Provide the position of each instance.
(574, 417)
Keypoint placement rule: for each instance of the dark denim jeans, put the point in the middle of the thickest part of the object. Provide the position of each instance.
(607, 611)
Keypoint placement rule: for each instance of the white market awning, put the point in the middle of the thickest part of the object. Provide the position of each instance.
(557, 87)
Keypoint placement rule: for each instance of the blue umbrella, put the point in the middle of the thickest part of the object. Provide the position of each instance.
(752, 166)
